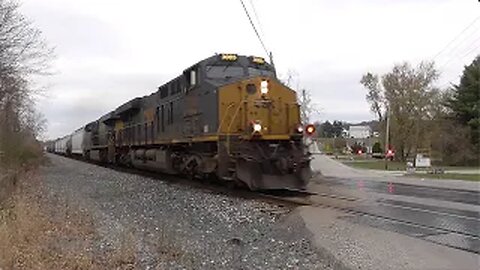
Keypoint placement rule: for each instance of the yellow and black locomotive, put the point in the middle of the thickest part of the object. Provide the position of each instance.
(227, 116)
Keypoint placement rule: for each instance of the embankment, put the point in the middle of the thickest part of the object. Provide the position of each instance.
(7, 185)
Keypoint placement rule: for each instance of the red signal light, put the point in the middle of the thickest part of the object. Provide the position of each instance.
(310, 129)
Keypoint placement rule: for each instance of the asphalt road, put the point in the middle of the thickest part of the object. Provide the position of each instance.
(433, 215)
(454, 227)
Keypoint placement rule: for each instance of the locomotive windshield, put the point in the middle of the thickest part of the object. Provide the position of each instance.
(217, 72)
(227, 66)
(252, 71)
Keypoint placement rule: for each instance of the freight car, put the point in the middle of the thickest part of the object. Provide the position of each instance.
(78, 142)
(63, 145)
(227, 116)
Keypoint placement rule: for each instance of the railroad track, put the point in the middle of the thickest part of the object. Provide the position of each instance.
(284, 197)
(292, 199)
(450, 237)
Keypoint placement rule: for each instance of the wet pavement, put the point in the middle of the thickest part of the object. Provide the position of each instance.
(379, 207)
(453, 195)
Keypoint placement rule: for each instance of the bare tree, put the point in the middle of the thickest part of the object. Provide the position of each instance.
(290, 78)
(375, 94)
(23, 55)
(411, 98)
(22, 48)
(307, 106)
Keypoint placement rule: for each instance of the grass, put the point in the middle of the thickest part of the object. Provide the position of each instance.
(457, 176)
(377, 164)
(459, 168)
(374, 164)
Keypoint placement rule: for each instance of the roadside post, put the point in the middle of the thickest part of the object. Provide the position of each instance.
(387, 131)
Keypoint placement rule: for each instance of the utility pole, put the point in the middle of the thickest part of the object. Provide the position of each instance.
(303, 108)
(387, 133)
(271, 63)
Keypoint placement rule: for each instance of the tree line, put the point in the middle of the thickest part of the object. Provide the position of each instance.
(24, 55)
(444, 123)
(330, 130)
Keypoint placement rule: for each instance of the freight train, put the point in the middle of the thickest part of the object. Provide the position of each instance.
(227, 116)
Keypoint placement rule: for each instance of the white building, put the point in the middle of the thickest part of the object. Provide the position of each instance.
(359, 132)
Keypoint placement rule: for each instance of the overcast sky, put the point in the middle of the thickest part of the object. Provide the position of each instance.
(109, 51)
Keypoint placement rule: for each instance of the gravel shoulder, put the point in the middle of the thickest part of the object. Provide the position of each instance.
(362, 247)
(171, 226)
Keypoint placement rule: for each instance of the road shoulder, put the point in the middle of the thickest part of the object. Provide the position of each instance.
(362, 247)
(329, 167)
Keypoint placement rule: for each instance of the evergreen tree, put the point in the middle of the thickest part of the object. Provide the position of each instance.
(326, 129)
(377, 148)
(337, 129)
(465, 100)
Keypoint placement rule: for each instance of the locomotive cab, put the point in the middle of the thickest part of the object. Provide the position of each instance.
(231, 67)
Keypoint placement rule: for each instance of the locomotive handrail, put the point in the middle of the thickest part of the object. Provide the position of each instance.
(231, 123)
(224, 118)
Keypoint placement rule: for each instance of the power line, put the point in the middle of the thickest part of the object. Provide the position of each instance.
(254, 28)
(455, 51)
(449, 82)
(257, 19)
(472, 48)
(461, 55)
(458, 77)
(456, 37)
(460, 44)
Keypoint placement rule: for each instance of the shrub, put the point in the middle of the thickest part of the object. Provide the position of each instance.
(357, 147)
(339, 144)
(327, 148)
(19, 149)
(377, 148)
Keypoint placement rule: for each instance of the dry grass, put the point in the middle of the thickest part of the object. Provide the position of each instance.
(18, 151)
(39, 230)
(34, 235)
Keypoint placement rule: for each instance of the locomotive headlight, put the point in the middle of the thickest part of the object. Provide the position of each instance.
(299, 129)
(257, 127)
(264, 87)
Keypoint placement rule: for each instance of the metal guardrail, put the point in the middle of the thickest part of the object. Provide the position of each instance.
(436, 170)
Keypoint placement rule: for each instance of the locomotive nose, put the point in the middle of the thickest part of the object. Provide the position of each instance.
(270, 109)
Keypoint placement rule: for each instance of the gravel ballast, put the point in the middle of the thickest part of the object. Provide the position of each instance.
(174, 226)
